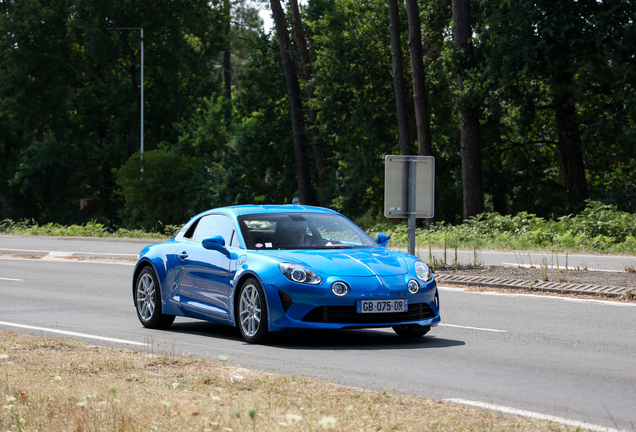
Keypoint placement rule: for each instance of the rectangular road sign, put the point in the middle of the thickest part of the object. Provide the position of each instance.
(397, 181)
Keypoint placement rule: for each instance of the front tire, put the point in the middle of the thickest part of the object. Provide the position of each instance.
(251, 312)
(411, 331)
(147, 296)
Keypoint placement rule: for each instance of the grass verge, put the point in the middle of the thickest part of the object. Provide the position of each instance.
(89, 229)
(57, 385)
(599, 228)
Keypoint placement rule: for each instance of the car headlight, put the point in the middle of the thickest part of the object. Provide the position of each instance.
(422, 271)
(298, 273)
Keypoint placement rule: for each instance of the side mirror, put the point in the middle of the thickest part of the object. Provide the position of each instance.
(382, 239)
(216, 243)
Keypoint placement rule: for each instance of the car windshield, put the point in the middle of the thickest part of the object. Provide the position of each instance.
(302, 231)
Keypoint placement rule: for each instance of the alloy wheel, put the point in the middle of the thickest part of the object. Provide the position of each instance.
(250, 310)
(146, 296)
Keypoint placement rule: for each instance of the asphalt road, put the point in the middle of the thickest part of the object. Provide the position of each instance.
(569, 358)
(131, 247)
(87, 245)
(560, 260)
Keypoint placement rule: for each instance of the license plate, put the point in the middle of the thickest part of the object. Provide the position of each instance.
(382, 306)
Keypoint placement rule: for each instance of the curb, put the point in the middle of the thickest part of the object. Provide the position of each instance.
(556, 287)
(479, 281)
(68, 256)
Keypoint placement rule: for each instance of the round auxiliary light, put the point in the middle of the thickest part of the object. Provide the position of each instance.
(414, 287)
(298, 275)
(340, 289)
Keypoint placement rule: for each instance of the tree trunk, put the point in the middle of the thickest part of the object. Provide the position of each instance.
(469, 120)
(227, 75)
(420, 94)
(305, 60)
(569, 142)
(305, 190)
(301, 40)
(39, 135)
(398, 79)
(471, 165)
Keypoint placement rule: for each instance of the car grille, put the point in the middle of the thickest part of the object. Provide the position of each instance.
(349, 315)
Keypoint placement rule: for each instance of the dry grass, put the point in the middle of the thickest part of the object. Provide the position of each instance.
(56, 385)
(23, 256)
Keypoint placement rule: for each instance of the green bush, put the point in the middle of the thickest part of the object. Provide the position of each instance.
(598, 228)
(90, 229)
(167, 192)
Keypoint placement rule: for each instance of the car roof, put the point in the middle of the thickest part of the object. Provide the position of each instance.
(248, 209)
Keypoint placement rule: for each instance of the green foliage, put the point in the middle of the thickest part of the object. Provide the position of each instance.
(598, 228)
(47, 177)
(617, 185)
(70, 106)
(353, 64)
(89, 229)
(530, 53)
(70, 94)
(252, 161)
(167, 191)
(600, 220)
(356, 103)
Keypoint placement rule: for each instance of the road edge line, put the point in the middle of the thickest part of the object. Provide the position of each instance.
(69, 333)
(531, 414)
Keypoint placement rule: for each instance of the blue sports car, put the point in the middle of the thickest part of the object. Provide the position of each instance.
(269, 268)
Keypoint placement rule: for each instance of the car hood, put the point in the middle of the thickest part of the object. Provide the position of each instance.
(347, 262)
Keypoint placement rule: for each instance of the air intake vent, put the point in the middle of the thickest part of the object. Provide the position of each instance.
(285, 299)
(348, 315)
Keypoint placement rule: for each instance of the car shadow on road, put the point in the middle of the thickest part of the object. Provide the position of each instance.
(377, 339)
(204, 328)
(359, 339)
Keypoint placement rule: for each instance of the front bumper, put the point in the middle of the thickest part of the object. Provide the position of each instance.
(294, 305)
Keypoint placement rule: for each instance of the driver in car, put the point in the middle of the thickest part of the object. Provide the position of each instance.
(292, 233)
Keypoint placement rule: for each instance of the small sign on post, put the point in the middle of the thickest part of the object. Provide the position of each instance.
(409, 190)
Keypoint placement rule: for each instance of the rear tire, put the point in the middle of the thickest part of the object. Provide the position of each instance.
(251, 312)
(411, 331)
(147, 297)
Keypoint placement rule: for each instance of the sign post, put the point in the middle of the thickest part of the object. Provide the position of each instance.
(409, 190)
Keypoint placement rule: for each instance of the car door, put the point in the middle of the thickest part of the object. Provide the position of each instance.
(204, 275)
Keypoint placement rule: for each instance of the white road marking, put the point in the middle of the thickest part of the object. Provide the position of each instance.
(473, 328)
(68, 333)
(545, 297)
(531, 414)
(56, 256)
(11, 279)
(388, 330)
(72, 259)
(60, 252)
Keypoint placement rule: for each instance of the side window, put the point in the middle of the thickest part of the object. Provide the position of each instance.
(235, 241)
(214, 225)
(190, 231)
